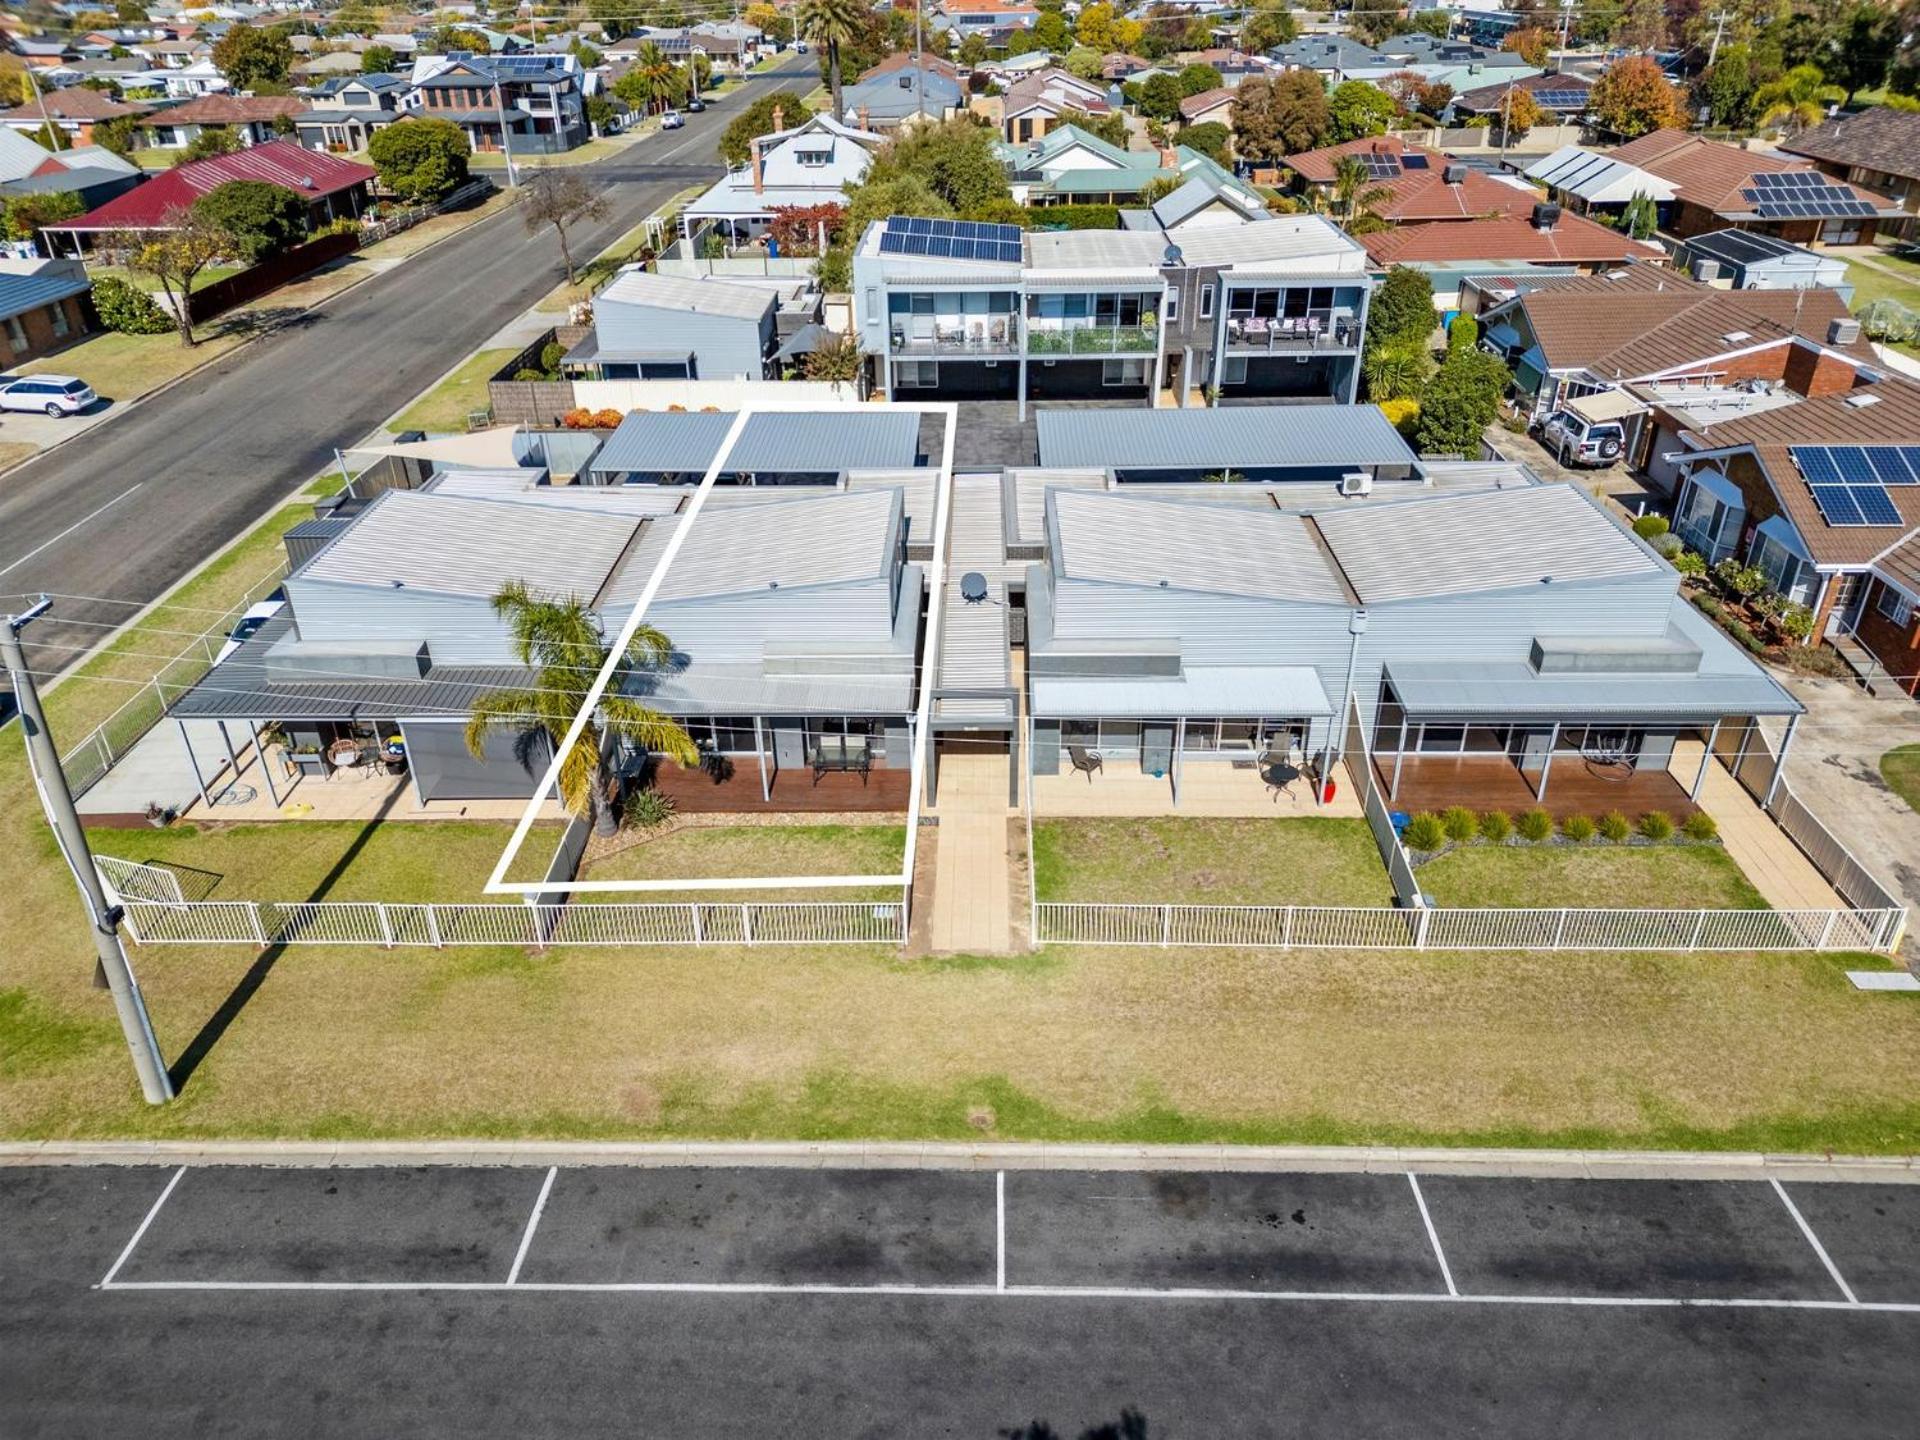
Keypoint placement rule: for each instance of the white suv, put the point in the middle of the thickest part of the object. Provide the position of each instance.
(1575, 441)
(56, 395)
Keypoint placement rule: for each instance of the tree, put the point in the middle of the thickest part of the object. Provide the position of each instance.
(1083, 62)
(1642, 26)
(251, 57)
(378, 60)
(1402, 308)
(1641, 217)
(1530, 43)
(174, 255)
(1632, 98)
(116, 135)
(839, 361)
(1725, 89)
(1355, 198)
(955, 159)
(1797, 99)
(262, 219)
(1863, 50)
(560, 198)
(652, 80)
(24, 216)
(354, 19)
(449, 38)
(903, 195)
(973, 49)
(589, 58)
(1095, 27)
(831, 24)
(1111, 127)
(1519, 112)
(1460, 402)
(1268, 28)
(770, 23)
(212, 140)
(1197, 80)
(1212, 139)
(130, 12)
(600, 113)
(1052, 33)
(616, 17)
(420, 160)
(1396, 369)
(736, 141)
(561, 642)
(1279, 117)
(1159, 97)
(1357, 109)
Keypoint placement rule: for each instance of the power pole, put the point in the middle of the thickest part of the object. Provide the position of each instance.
(1719, 25)
(104, 920)
(919, 62)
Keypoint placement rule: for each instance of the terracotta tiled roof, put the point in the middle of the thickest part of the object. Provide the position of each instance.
(1317, 166)
(1572, 241)
(1710, 174)
(1877, 139)
(77, 103)
(1488, 97)
(902, 59)
(1195, 105)
(227, 110)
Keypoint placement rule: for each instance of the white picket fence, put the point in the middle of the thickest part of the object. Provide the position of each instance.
(1303, 927)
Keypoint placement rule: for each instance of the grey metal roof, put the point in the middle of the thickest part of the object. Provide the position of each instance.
(453, 545)
(588, 351)
(1241, 437)
(1029, 490)
(1200, 690)
(1465, 544)
(21, 293)
(975, 651)
(769, 444)
(1453, 688)
(1118, 539)
(1309, 241)
(693, 296)
(510, 487)
(1742, 247)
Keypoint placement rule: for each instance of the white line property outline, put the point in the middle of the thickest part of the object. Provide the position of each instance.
(533, 1224)
(1433, 1236)
(1813, 1240)
(498, 884)
(139, 1234)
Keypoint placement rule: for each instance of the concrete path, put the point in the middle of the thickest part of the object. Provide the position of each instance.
(1785, 878)
(972, 902)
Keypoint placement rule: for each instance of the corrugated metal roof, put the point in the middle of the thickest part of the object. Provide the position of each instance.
(308, 173)
(699, 297)
(769, 444)
(1312, 243)
(1242, 437)
(1489, 689)
(453, 545)
(1165, 544)
(1199, 690)
(502, 487)
(1464, 544)
(1030, 497)
(21, 293)
(975, 651)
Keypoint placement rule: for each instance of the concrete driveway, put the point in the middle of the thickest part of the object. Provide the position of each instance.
(26, 428)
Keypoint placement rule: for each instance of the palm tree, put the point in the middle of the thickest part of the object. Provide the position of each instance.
(831, 24)
(1354, 199)
(561, 642)
(657, 73)
(1797, 99)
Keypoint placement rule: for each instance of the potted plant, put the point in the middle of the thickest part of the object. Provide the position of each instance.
(159, 816)
(308, 760)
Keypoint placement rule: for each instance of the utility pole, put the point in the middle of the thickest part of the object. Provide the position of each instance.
(919, 62)
(506, 138)
(104, 920)
(1719, 25)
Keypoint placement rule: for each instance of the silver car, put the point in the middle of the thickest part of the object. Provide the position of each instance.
(54, 395)
(1578, 441)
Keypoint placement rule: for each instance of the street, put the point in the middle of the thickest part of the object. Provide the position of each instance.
(127, 510)
(216, 1300)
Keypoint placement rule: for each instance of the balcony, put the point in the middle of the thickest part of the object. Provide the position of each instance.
(982, 336)
(1292, 334)
(1093, 339)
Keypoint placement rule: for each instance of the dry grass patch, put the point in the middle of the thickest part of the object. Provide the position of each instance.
(709, 852)
(1295, 861)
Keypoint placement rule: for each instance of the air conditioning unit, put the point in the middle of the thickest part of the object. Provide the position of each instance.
(1356, 482)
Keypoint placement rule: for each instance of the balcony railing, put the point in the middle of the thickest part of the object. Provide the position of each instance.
(984, 335)
(1093, 340)
(1292, 333)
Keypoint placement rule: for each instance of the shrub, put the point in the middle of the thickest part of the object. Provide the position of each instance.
(1614, 827)
(421, 159)
(1578, 828)
(1690, 562)
(1425, 832)
(1460, 823)
(607, 419)
(1794, 620)
(1648, 526)
(527, 372)
(1743, 632)
(1667, 546)
(647, 808)
(1403, 413)
(1657, 826)
(1701, 826)
(1495, 827)
(551, 354)
(1535, 825)
(125, 307)
(578, 419)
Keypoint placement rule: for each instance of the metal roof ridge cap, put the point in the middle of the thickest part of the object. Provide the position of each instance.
(633, 540)
(1338, 570)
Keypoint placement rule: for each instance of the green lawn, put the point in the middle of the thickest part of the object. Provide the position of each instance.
(445, 408)
(1870, 284)
(742, 851)
(1303, 861)
(1672, 877)
(1900, 768)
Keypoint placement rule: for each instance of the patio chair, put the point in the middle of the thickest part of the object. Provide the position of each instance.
(999, 332)
(1084, 760)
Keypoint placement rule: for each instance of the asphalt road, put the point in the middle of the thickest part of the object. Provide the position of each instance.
(686, 1302)
(129, 508)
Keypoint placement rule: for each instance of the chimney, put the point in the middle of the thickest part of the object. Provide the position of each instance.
(759, 174)
(1169, 158)
(1545, 216)
(861, 116)
(779, 119)
(1456, 174)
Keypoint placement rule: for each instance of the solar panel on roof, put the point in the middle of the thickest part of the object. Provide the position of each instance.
(1413, 162)
(1815, 464)
(1876, 506)
(1911, 453)
(1889, 465)
(1380, 167)
(1837, 505)
(1852, 464)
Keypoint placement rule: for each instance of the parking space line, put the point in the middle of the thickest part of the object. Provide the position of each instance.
(1000, 1229)
(533, 1223)
(107, 1279)
(1814, 1240)
(1446, 1272)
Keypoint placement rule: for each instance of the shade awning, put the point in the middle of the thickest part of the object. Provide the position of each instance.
(1210, 690)
(1514, 690)
(1721, 489)
(1779, 529)
(1606, 405)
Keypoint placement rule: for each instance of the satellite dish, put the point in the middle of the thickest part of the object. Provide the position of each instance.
(1173, 256)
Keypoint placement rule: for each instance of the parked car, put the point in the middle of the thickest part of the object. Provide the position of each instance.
(799, 47)
(57, 395)
(1577, 441)
(249, 625)
(696, 105)
(671, 120)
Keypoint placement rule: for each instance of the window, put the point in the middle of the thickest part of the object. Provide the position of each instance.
(1895, 606)
(57, 317)
(917, 374)
(1200, 734)
(1785, 572)
(813, 159)
(1123, 372)
(1206, 302)
(1234, 371)
(1173, 306)
(16, 333)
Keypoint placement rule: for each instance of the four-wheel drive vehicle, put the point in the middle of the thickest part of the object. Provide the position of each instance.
(55, 395)
(1575, 441)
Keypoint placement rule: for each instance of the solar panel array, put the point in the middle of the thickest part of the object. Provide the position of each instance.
(1413, 162)
(1802, 194)
(1380, 167)
(951, 239)
(1849, 482)
(1561, 99)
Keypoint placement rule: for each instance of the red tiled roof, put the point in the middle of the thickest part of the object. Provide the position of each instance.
(1572, 240)
(1206, 100)
(311, 173)
(1421, 194)
(901, 59)
(227, 110)
(76, 103)
(1488, 97)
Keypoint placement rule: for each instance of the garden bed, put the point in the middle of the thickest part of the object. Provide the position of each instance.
(1295, 861)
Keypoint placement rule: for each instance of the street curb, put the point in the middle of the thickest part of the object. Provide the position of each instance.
(951, 1155)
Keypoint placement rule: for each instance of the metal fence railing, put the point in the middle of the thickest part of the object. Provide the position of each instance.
(1393, 853)
(1302, 927)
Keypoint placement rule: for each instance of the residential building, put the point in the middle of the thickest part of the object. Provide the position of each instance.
(44, 306)
(1335, 57)
(1036, 103)
(1209, 107)
(1274, 309)
(332, 188)
(1564, 98)
(202, 77)
(534, 103)
(174, 53)
(806, 166)
(1547, 237)
(1409, 183)
(1877, 149)
(1233, 65)
(40, 52)
(75, 112)
(1201, 202)
(1713, 186)
(774, 449)
(901, 95)
(346, 114)
(980, 17)
(129, 72)
(1068, 166)
(1747, 260)
(659, 327)
(93, 173)
(1417, 47)
(1821, 493)
(252, 119)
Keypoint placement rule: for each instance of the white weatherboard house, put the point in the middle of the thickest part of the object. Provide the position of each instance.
(809, 165)
(662, 327)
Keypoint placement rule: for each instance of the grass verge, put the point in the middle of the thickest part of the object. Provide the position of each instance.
(1670, 877)
(1900, 768)
(445, 407)
(744, 851)
(1303, 861)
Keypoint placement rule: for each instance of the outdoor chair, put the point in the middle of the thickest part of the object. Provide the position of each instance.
(842, 754)
(1084, 760)
(999, 332)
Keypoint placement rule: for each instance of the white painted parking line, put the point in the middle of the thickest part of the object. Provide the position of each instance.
(107, 1279)
(533, 1223)
(1814, 1240)
(1446, 1272)
(1000, 1229)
